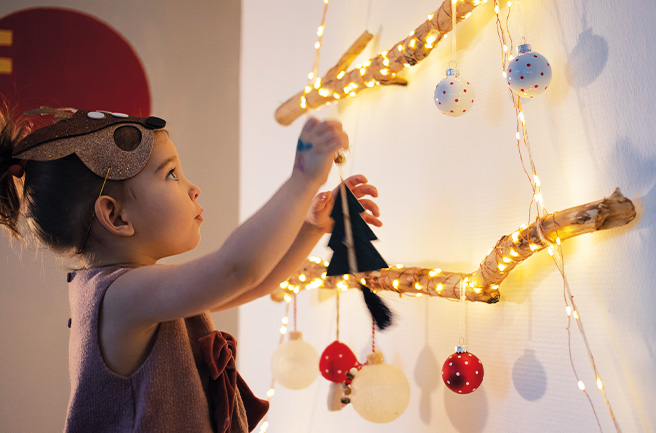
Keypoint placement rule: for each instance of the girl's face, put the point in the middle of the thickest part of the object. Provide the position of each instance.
(161, 204)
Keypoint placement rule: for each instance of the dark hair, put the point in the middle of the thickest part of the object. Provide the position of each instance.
(56, 197)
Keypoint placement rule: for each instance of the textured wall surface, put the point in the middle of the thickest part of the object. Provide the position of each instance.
(449, 188)
(191, 58)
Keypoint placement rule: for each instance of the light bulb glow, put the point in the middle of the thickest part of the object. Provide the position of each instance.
(581, 385)
(501, 267)
(513, 252)
(271, 392)
(439, 288)
(341, 75)
(600, 385)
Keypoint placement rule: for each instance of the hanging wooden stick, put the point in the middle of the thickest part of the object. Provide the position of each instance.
(338, 83)
(483, 284)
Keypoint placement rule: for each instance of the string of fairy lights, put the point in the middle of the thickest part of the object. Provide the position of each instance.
(313, 82)
(555, 249)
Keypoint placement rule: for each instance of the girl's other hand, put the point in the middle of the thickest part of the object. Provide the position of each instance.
(322, 205)
(318, 146)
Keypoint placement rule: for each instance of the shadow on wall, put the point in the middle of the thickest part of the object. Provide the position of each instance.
(529, 376)
(468, 413)
(427, 383)
(587, 60)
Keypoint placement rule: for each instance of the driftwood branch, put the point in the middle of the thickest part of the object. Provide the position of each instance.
(483, 284)
(339, 84)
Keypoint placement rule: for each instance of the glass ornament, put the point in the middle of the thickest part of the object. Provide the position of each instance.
(453, 96)
(528, 74)
(462, 372)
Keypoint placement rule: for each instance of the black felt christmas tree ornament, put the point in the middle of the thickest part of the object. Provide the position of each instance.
(353, 251)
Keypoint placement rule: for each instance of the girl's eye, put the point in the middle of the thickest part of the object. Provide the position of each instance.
(171, 175)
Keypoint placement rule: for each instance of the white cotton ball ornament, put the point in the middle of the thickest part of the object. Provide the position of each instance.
(528, 74)
(453, 96)
(380, 392)
(294, 364)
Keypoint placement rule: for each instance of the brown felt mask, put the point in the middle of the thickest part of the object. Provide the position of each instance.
(102, 140)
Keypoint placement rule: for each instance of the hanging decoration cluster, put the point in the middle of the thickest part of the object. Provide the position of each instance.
(380, 392)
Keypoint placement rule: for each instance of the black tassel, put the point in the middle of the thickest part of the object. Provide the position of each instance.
(380, 312)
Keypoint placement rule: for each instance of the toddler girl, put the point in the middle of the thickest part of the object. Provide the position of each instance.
(109, 189)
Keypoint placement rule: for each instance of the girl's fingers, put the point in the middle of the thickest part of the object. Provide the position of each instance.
(354, 180)
(371, 220)
(370, 206)
(365, 189)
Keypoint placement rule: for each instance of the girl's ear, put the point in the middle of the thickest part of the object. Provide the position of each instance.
(111, 216)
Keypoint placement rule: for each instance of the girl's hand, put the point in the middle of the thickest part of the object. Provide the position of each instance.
(322, 205)
(318, 147)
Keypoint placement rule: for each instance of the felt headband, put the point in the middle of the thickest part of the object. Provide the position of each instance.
(102, 140)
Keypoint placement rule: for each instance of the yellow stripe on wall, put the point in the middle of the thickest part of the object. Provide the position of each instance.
(6, 38)
(5, 65)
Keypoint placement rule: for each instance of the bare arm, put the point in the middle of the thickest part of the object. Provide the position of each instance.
(317, 224)
(152, 294)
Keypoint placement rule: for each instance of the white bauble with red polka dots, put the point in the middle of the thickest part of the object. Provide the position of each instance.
(528, 74)
(454, 96)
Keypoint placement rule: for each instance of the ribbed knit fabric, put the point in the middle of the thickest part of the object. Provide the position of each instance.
(168, 393)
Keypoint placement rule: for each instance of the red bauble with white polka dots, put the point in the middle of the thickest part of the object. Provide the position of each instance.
(528, 74)
(462, 372)
(336, 360)
(454, 96)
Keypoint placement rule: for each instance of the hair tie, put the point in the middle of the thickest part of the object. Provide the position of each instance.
(18, 170)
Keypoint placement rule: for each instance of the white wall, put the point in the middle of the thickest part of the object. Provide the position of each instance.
(449, 188)
(191, 58)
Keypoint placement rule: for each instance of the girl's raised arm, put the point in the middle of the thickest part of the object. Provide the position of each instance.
(151, 294)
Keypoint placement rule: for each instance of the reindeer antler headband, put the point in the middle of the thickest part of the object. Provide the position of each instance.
(112, 145)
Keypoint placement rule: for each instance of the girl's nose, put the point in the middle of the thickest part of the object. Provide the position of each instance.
(194, 191)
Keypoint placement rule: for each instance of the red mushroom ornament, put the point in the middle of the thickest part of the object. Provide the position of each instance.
(462, 372)
(336, 360)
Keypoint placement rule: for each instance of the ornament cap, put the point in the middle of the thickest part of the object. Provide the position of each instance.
(375, 357)
(295, 335)
(461, 349)
(452, 72)
(523, 48)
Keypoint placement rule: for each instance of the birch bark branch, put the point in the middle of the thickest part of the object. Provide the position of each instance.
(339, 84)
(482, 285)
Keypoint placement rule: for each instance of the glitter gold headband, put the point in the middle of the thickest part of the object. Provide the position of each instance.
(101, 139)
